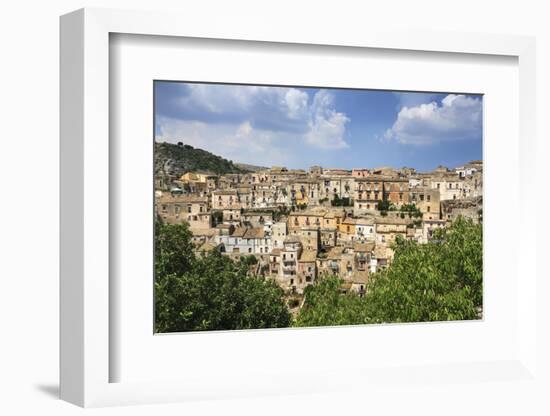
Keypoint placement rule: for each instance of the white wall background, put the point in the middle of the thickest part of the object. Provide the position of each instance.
(29, 182)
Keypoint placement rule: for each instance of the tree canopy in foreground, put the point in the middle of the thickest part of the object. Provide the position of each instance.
(211, 292)
(437, 281)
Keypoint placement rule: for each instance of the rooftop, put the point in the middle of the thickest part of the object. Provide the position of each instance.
(308, 256)
(254, 233)
(363, 247)
(167, 197)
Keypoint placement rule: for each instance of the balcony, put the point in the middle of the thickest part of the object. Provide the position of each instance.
(289, 265)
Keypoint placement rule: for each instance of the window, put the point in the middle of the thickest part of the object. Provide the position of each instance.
(429, 208)
(249, 250)
(189, 208)
(422, 197)
(428, 197)
(438, 185)
(401, 196)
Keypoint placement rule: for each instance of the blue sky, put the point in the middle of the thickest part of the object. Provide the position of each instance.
(300, 127)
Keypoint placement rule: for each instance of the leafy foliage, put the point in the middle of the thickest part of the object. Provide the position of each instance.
(281, 213)
(173, 249)
(184, 158)
(341, 202)
(211, 292)
(411, 209)
(437, 281)
(217, 217)
(384, 205)
(326, 305)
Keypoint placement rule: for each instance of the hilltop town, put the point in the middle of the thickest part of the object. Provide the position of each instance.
(300, 225)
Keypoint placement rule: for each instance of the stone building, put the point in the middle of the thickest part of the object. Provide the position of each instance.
(306, 218)
(468, 208)
(388, 228)
(426, 200)
(307, 270)
(228, 199)
(192, 209)
(291, 252)
(369, 192)
(279, 233)
(346, 230)
(365, 229)
(396, 191)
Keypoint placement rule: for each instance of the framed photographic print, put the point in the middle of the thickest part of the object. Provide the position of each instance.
(281, 213)
(337, 184)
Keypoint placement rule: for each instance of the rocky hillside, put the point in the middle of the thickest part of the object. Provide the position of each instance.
(177, 159)
(250, 168)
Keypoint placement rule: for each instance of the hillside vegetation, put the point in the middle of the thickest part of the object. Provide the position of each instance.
(177, 159)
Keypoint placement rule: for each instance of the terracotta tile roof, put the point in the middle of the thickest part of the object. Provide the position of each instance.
(254, 233)
(239, 232)
(363, 247)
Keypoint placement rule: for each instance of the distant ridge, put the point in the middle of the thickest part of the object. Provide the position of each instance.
(250, 168)
(177, 159)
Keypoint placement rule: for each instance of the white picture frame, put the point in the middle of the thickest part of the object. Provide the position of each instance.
(85, 352)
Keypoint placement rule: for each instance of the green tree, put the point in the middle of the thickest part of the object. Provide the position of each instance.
(217, 217)
(437, 281)
(173, 248)
(325, 304)
(384, 205)
(411, 209)
(211, 292)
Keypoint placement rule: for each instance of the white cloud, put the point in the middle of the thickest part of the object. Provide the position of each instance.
(297, 103)
(327, 126)
(244, 130)
(458, 117)
(240, 143)
(277, 110)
